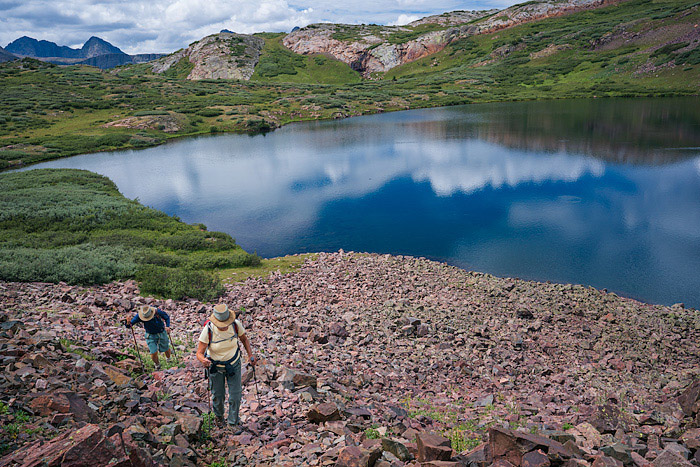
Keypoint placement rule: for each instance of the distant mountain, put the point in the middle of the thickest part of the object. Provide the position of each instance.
(106, 61)
(95, 52)
(6, 56)
(29, 47)
(144, 58)
(96, 46)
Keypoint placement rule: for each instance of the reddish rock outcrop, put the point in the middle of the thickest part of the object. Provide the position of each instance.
(371, 50)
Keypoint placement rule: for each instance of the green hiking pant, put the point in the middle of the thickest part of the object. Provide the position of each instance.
(218, 381)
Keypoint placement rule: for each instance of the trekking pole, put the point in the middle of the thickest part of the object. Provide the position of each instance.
(255, 380)
(206, 375)
(172, 344)
(136, 346)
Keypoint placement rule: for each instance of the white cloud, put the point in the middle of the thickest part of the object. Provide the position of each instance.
(138, 26)
(404, 19)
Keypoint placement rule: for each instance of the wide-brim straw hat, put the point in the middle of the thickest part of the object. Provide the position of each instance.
(222, 316)
(146, 313)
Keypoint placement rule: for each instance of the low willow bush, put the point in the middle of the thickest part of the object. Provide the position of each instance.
(75, 226)
(198, 240)
(229, 259)
(83, 264)
(179, 283)
(219, 260)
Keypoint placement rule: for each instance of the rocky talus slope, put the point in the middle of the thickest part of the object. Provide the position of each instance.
(366, 360)
(372, 49)
(219, 56)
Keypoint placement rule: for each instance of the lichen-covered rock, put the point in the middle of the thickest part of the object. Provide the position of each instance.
(219, 56)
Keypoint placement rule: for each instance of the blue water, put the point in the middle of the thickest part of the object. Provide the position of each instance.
(598, 192)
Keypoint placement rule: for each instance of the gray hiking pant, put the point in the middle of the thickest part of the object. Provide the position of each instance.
(218, 381)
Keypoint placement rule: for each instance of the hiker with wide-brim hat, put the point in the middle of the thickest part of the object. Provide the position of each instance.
(154, 322)
(219, 351)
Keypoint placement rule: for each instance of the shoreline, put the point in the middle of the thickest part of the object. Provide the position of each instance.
(203, 133)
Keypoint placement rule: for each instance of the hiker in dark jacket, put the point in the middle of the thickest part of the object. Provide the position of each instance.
(219, 352)
(154, 322)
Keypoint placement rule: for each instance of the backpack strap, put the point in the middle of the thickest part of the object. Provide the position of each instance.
(210, 332)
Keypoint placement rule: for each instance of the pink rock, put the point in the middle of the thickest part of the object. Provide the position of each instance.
(433, 447)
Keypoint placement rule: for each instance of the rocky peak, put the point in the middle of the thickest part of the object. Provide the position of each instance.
(219, 56)
(96, 46)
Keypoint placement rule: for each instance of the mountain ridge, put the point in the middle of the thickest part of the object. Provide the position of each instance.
(95, 52)
(30, 47)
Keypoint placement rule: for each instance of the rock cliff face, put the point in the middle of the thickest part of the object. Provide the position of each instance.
(219, 56)
(377, 51)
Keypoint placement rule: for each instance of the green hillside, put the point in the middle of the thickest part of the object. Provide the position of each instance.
(623, 49)
(280, 65)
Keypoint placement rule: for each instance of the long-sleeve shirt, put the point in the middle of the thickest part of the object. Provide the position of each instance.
(155, 324)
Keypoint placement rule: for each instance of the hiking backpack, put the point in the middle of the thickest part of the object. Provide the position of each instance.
(210, 332)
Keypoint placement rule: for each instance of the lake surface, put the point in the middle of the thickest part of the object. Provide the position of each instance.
(597, 192)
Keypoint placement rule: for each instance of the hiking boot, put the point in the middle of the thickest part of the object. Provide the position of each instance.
(156, 367)
(219, 421)
(236, 429)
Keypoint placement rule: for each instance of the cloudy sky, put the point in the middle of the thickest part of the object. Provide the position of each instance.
(140, 26)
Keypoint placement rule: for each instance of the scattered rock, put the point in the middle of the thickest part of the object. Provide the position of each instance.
(324, 412)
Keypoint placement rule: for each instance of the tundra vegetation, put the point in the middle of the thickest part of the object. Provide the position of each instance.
(75, 226)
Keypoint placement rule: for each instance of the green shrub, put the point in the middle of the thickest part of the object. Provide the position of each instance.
(74, 226)
(146, 113)
(160, 259)
(188, 241)
(667, 49)
(279, 61)
(179, 284)
(258, 126)
(125, 238)
(691, 57)
(84, 264)
(210, 112)
(229, 259)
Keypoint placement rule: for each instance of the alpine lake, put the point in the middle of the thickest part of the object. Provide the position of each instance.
(601, 192)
